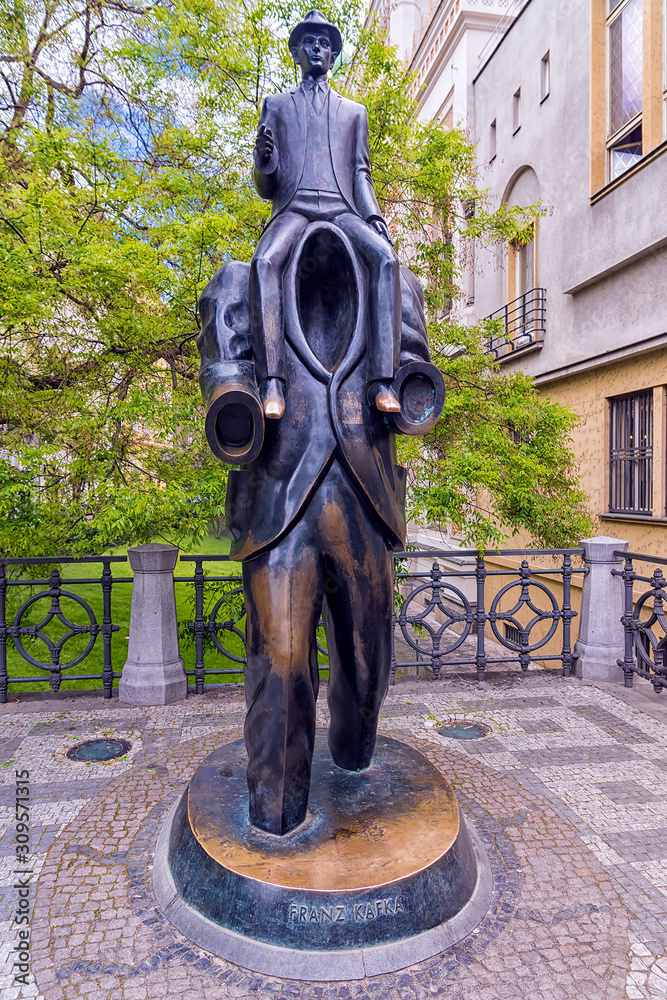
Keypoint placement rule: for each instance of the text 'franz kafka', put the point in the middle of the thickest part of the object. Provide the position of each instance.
(301, 914)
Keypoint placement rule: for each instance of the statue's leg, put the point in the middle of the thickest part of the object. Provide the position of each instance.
(283, 592)
(384, 296)
(359, 595)
(266, 282)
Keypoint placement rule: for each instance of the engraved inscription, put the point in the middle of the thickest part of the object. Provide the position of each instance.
(301, 914)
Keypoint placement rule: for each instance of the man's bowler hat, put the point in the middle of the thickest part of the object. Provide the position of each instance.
(316, 21)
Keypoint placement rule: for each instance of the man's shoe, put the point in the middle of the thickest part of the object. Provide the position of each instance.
(273, 398)
(386, 399)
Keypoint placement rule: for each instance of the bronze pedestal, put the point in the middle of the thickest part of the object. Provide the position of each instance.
(383, 873)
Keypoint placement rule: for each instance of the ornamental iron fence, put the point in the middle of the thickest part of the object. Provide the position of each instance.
(433, 616)
(447, 618)
(644, 622)
(440, 619)
(207, 628)
(25, 635)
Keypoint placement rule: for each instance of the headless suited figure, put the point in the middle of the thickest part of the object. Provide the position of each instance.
(312, 162)
(313, 520)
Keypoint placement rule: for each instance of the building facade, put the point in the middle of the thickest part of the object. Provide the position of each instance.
(570, 111)
(567, 103)
(442, 43)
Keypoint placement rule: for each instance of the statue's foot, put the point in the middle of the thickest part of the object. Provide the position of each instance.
(273, 398)
(385, 398)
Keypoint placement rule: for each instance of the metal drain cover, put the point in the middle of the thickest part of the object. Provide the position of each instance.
(464, 730)
(99, 750)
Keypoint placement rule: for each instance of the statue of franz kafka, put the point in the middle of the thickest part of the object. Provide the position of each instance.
(324, 334)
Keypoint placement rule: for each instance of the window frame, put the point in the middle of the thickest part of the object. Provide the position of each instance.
(513, 254)
(516, 111)
(630, 472)
(615, 147)
(614, 139)
(545, 76)
(664, 69)
(654, 93)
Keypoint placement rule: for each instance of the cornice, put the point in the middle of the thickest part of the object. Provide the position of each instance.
(655, 343)
(435, 24)
(466, 19)
(619, 265)
(440, 113)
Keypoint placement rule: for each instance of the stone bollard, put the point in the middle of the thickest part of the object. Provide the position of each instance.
(601, 639)
(153, 673)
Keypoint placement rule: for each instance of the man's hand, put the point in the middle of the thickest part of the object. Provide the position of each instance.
(264, 144)
(380, 226)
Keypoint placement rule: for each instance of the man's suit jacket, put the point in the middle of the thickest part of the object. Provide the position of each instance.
(285, 115)
(323, 414)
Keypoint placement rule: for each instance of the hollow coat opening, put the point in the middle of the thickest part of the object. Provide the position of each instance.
(326, 296)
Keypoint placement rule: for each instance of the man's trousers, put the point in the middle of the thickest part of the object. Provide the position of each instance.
(266, 284)
(337, 552)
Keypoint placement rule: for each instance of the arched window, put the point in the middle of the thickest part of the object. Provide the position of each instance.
(523, 189)
(524, 314)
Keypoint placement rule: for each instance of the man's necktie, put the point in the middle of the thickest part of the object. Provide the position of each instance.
(317, 98)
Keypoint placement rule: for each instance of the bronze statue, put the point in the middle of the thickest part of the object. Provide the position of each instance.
(325, 335)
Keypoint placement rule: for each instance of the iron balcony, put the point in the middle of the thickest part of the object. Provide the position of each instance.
(524, 324)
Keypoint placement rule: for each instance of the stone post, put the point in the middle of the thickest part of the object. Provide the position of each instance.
(153, 673)
(601, 637)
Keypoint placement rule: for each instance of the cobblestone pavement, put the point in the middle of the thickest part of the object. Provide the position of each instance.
(568, 793)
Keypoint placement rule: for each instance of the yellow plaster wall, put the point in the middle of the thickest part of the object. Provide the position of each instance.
(587, 394)
(652, 96)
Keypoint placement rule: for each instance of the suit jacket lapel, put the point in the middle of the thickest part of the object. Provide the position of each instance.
(339, 145)
(334, 107)
(299, 153)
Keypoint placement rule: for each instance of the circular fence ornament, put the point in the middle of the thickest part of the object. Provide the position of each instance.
(214, 626)
(426, 619)
(99, 750)
(55, 595)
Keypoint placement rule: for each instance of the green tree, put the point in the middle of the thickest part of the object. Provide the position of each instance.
(126, 133)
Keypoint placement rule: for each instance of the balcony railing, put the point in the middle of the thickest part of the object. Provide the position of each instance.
(524, 324)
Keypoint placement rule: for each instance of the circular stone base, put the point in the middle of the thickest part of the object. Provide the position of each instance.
(384, 872)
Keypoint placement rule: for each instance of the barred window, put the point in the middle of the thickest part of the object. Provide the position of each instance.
(631, 453)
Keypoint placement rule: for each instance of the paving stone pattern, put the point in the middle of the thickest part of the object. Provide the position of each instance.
(568, 794)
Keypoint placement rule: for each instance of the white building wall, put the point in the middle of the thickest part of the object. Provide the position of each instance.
(589, 310)
(446, 56)
(442, 43)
